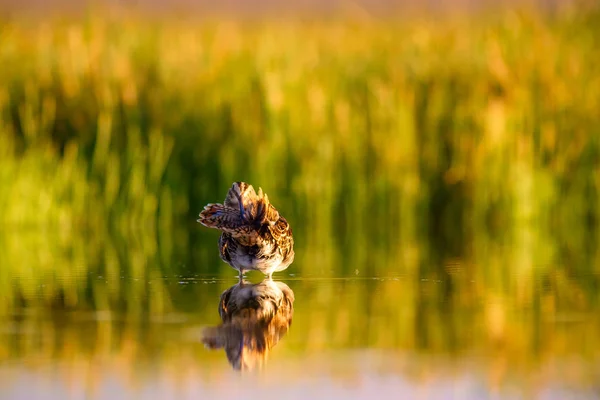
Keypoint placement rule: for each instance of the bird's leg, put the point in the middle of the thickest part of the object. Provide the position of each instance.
(241, 276)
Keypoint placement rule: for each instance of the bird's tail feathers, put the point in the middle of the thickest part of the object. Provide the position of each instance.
(253, 208)
(221, 217)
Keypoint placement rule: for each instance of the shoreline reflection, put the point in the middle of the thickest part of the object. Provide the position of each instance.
(255, 317)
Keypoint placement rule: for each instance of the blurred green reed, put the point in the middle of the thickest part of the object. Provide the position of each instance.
(381, 142)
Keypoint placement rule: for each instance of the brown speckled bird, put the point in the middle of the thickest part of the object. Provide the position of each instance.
(255, 317)
(255, 236)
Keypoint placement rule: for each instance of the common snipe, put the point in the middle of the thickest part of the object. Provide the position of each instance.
(255, 236)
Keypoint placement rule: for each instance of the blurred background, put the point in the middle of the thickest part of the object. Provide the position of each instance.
(439, 164)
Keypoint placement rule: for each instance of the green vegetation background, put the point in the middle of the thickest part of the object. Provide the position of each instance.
(395, 148)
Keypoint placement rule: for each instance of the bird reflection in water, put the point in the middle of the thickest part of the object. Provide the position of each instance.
(255, 317)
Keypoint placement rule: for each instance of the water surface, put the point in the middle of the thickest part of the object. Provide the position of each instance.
(434, 329)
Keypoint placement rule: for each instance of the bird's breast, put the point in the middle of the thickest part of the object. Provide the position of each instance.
(256, 257)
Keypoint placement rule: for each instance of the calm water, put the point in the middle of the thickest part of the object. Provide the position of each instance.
(126, 324)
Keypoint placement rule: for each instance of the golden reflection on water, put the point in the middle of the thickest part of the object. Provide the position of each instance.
(384, 334)
(255, 317)
(111, 323)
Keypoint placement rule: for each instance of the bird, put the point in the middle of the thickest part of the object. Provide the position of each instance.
(254, 235)
(254, 318)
